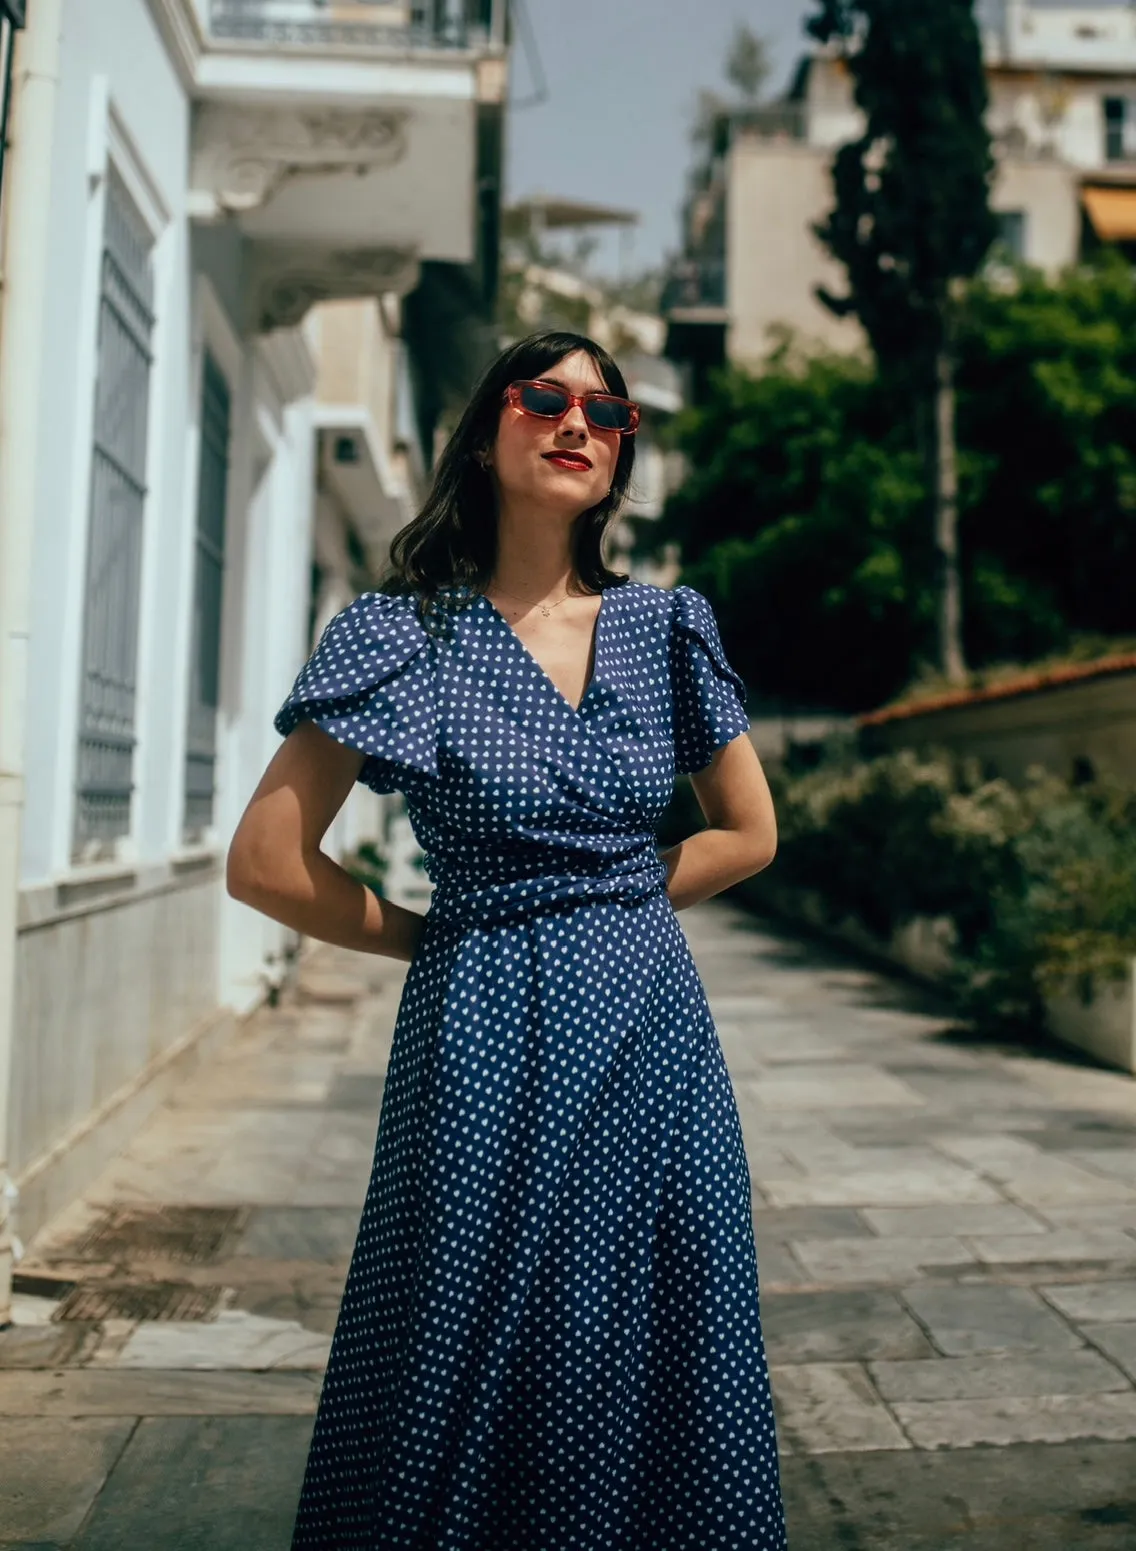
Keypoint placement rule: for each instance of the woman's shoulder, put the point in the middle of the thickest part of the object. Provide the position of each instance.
(666, 605)
(373, 636)
(381, 616)
(644, 595)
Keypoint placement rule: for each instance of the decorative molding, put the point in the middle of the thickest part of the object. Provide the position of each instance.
(243, 156)
(180, 26)
(111, 143)
(286, 279)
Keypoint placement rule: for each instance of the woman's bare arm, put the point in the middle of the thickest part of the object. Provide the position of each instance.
(741, 837)
(276, 865)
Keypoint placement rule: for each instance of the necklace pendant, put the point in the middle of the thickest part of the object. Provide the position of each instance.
(545, 610)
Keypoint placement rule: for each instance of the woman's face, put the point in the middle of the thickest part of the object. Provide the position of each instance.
(560, 465)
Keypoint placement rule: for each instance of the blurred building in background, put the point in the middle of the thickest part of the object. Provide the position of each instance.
(1062, 83)
(268, 265)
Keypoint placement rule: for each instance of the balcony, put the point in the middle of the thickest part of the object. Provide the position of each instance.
(383, 25)
(343, 140)
(787, 120)
(695, 291)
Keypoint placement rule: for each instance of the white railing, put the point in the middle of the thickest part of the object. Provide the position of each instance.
(395, 24)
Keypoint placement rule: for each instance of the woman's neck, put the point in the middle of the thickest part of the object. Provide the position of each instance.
(534, 557)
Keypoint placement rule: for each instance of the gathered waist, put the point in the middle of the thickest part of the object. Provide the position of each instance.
(500, 904)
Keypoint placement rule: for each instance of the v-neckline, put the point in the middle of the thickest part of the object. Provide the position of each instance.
(597, 642)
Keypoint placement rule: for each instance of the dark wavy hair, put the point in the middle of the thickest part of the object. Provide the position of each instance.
(448, 552)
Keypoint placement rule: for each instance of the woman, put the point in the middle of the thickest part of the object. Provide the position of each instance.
(549, 1338)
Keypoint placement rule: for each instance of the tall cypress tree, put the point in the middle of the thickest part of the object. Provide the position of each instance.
(912, 224)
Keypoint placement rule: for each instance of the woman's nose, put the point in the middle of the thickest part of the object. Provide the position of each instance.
(573, 422)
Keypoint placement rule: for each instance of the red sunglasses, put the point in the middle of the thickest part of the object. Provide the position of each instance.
(602, 411)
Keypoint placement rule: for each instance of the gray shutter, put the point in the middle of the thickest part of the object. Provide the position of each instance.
(115, 525)
(208, 585)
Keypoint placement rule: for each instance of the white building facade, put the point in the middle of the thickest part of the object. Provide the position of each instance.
(241, 193)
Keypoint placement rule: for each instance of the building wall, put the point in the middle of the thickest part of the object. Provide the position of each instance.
(1056, 728)
(774, 262)
(118, 93)
(780, 190)
(1047, 194)
(126, 966)
(1057, 115)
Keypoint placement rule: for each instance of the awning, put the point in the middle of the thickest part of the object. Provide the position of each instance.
(1112, 212)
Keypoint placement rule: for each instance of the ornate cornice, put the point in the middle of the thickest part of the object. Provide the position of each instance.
(243, 155)
(286, 279)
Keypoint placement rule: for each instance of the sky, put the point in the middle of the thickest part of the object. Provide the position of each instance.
(623, 78)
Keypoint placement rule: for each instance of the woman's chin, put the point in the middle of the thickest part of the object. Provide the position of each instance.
(556, 491)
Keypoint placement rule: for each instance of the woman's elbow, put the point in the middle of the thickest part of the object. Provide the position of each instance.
(249, 873)
(761, 853)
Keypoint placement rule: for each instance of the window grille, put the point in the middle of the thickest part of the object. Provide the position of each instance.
(105, 778)
(1011, 237)
(1120, 129)
(208, 583)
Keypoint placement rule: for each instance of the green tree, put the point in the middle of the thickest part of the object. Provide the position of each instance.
(1047, 418)
(747, 63)
(803, 512)
(912, 223)
(801, 517)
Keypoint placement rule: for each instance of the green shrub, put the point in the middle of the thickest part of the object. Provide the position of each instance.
(1037, 881)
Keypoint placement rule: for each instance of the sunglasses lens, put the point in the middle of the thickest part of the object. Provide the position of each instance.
(609, 414)
(541, 400)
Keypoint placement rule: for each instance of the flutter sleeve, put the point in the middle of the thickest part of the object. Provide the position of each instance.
(371, 685)
(709, 697)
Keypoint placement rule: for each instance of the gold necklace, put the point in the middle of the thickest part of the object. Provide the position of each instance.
(543, 607)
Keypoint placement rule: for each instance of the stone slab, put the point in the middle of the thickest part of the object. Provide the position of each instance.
(832, 1407)
(44, 1346)
(1119, 1162)
(1083, 1246)
(52, 1472)
(994, 1377)
(234, 1340)
(964, 1424)
(840, 1326)
(1111, 1302)
(1000, 1157)
(831, 1086)
(776, 1266)
(964, 1321)
(949, 1221)
(299, 1233)
(116, 1392)
(945, 1186)
(839, 1262)
(1113, 1214)
(809, 1222)
(213, 1484)
(1064, 1184)
(1029, 1497)
(1118, 1342)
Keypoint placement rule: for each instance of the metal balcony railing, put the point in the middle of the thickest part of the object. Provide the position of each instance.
(383, 24)
(695, 283)
(774, 121)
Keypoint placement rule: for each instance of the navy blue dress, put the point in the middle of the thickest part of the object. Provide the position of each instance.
(550, 1337)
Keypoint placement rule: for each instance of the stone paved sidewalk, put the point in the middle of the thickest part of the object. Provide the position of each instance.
(947, 1243)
